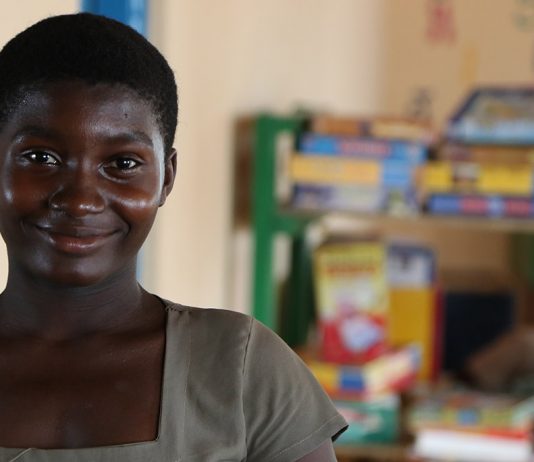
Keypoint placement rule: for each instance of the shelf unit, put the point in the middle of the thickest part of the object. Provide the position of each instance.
(269, 219)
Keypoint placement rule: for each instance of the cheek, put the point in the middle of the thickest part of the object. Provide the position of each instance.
(138, 205)
(20, 194)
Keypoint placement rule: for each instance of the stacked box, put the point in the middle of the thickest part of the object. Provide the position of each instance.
(472, 426)
(375, 420)
(359, 166)
(352, 300)
(414, 314)
(486, 165)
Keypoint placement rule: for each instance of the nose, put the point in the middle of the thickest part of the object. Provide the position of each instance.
(77, 195)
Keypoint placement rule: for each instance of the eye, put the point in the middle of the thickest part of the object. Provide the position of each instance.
(124, 163)
(41, 157)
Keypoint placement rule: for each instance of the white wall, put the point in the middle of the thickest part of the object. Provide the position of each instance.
(235, 57)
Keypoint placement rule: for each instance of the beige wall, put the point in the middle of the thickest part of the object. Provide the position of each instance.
(16, 16)
(488, 48)
(349, 56)
(234, 57)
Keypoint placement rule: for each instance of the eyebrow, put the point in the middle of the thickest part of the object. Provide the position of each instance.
(35, 130)
(135, 136)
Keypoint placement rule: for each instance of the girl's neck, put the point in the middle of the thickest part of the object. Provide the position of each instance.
(37, 308)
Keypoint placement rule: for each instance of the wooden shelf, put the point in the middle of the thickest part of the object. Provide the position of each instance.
(465, 223)
(381, 453)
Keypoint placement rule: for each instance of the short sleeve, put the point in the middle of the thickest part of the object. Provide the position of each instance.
(287, 413)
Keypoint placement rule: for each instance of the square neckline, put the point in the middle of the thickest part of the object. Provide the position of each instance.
(167, 405)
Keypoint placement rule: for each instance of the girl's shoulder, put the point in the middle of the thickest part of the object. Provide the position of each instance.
(215, 317)
(209, 327)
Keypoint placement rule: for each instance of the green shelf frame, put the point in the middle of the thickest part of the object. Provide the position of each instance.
(268, 221)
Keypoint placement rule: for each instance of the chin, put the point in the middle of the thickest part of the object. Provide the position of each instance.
(81, 273)
(75, 279)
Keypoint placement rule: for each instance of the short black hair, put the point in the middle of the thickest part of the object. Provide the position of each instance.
(94, 49)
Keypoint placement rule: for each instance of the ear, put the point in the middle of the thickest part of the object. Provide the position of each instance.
(169, 174)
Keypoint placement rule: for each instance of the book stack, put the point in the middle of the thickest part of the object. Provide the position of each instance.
(378, 315)
(355, 363)
(359, 165)
(368, 395)
(392, 371)
(472, 426)
(486, 165)
(372, 420)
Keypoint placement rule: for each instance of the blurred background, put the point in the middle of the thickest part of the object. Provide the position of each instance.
(416, 60)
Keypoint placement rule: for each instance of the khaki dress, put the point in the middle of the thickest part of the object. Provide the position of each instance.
(232, 391)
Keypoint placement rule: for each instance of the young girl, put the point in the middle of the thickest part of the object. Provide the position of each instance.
(92, 367)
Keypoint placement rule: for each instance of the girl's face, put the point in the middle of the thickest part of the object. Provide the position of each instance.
(82, 174)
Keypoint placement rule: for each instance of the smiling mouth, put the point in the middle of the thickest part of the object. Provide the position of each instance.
(75, 240)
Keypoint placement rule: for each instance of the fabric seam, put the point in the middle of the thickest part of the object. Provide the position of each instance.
(278, 454)
(245, 357)
(186, 384)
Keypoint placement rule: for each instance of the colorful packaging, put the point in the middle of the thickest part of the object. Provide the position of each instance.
(393, 371)
(352, 300)
(370, 421)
